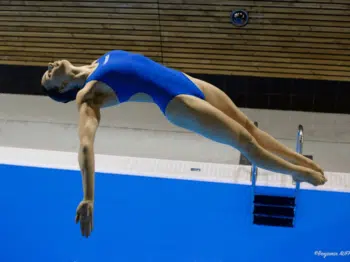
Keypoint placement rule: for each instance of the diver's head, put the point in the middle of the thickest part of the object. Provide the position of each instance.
(62, 81)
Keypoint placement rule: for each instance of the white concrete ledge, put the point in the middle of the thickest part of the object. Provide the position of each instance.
(162, 168)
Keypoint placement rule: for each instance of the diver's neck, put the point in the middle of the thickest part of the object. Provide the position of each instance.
(83, 72)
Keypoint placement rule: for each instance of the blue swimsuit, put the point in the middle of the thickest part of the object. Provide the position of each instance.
(128, 74)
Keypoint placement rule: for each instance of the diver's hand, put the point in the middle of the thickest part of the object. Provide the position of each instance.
(85, 217)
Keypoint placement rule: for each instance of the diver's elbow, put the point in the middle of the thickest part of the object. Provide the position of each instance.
(86, 147)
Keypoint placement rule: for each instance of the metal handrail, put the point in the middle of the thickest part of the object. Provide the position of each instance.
(254, 169)
(253, 174)
(299, 147)
(300, 139)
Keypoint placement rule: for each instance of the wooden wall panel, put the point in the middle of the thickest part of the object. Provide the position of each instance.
(285, 38)
(36, 32)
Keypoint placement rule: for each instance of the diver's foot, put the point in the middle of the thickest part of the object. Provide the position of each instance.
(312, 177)
(311, 164)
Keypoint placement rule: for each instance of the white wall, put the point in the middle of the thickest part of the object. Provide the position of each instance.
(140, 130)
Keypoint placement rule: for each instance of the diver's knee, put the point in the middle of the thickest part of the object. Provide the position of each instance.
(248, 144)
(250, 126)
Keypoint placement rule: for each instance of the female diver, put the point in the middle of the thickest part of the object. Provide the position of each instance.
(190, 103)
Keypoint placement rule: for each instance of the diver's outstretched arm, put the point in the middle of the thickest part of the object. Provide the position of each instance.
(89, 118)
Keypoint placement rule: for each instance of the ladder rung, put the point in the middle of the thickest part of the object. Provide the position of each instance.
(274, 200)
(273, 221)
(274, 211)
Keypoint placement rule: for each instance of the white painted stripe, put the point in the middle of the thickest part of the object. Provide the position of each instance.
(210, 172)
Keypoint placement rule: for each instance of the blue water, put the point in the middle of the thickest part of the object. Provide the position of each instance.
(162, 220)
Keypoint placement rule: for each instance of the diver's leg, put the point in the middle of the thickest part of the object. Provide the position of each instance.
(200, 117)
(220, 100)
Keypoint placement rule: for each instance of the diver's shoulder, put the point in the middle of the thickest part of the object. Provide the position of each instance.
(87, 92)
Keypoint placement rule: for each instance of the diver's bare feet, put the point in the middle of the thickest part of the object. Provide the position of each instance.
(311, 176)
(311, 164)
(308, 163)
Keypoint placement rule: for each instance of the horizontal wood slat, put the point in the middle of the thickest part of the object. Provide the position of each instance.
(78, 10)
(222, 5)
(127, 32)
(281, 74)
(78, 59)
(256, 11)
(92, 4)
(213, 63)
(284, 38)
(324, 48)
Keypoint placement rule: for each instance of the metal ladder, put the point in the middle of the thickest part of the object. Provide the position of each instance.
(275, 209)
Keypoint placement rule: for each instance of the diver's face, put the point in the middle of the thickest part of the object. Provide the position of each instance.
(57, 72)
